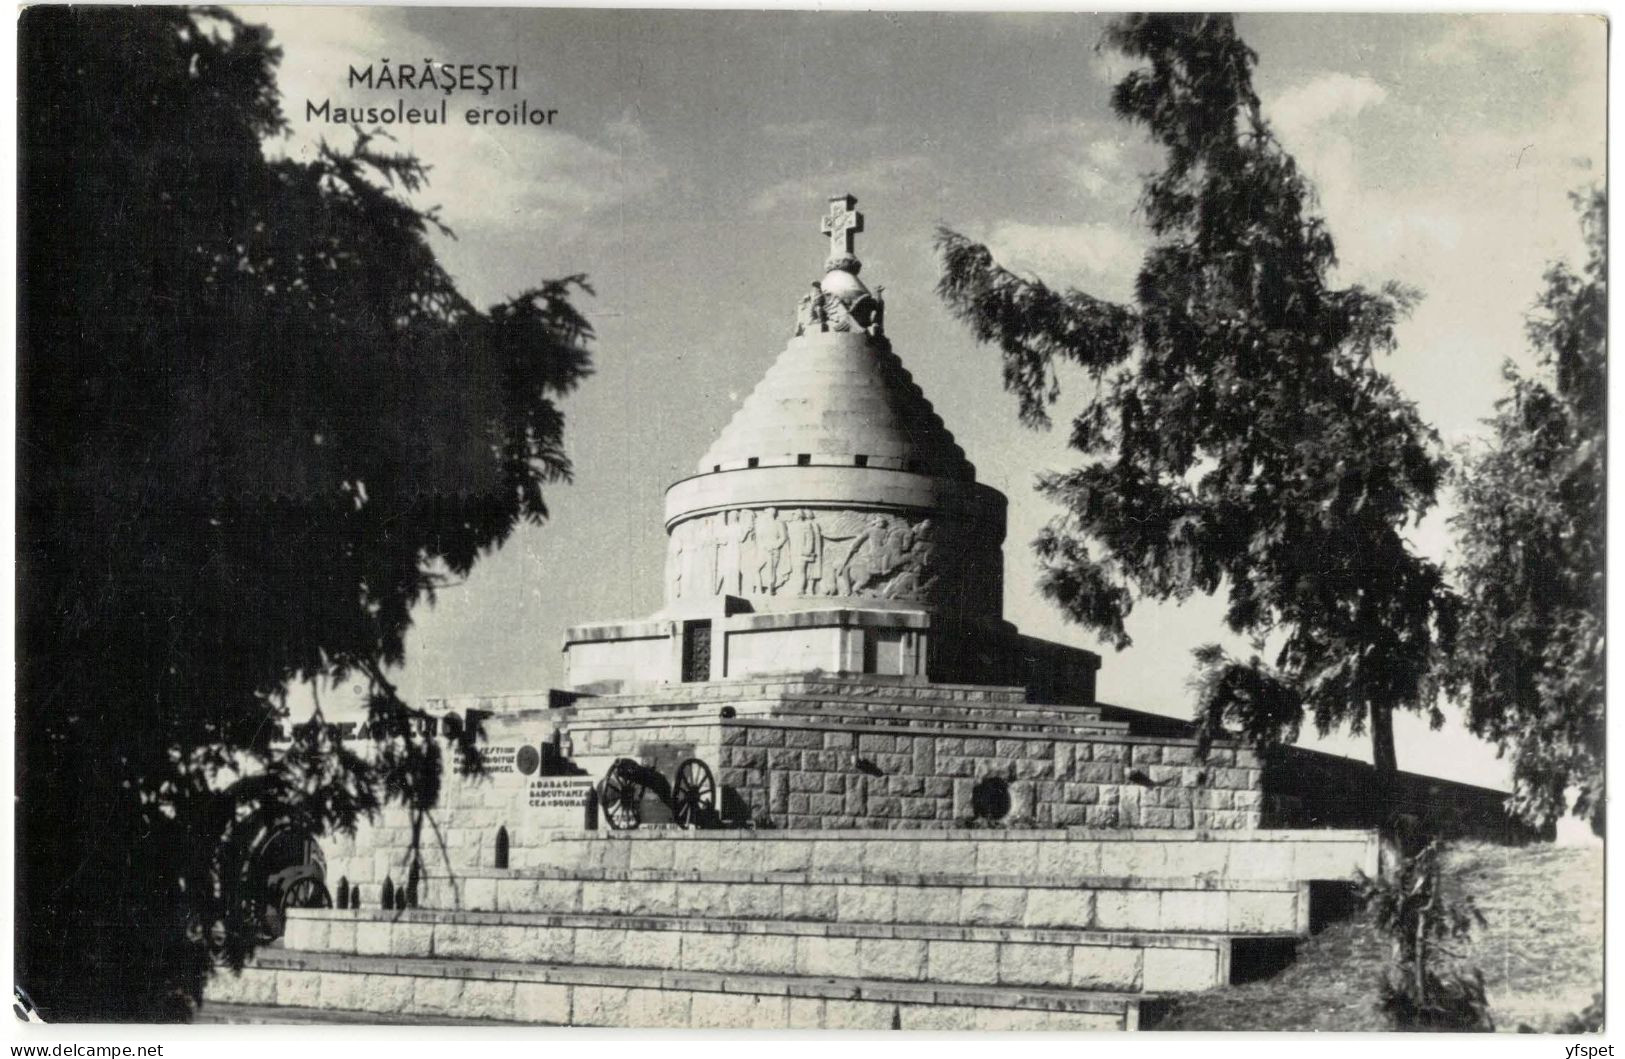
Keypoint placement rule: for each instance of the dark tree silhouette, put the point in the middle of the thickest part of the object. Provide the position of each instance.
(258, 424)
(1532, 531)
(1237, 434)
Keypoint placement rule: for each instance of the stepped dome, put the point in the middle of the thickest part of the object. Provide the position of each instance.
(834, 397)
(836, 483)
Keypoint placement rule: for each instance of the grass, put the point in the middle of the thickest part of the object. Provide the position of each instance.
(1540, 951)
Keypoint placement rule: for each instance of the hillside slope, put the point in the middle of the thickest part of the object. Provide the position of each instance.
(1541, 951)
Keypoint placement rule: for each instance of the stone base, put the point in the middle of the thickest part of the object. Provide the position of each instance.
(651, 999)
(814, 930)
(808, 753)
(860, 753)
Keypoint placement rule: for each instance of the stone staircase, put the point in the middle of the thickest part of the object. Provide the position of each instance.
(976, 710)
(985, 930)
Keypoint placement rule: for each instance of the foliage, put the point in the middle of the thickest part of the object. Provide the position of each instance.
(1236, 432)
(1588, 1020)
(1412, 909)
(258, 424)
(1530, 661)
(1541, 952)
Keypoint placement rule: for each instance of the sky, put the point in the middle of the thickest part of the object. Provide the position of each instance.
(691, 156)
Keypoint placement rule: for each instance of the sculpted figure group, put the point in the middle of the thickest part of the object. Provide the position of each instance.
(821, 311)
(766, 551)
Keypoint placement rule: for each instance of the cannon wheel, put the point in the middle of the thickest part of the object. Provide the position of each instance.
(307, 893)
(619, 800)
(286, 870)
(694, 795)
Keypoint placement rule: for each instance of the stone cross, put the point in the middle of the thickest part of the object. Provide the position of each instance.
(841, 223)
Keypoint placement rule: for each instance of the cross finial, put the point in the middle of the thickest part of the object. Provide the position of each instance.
(841, 223)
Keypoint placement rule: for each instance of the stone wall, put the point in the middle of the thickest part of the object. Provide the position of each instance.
(895, 761)
(462, 831)
(811, 776)
(1305, 788)
(810, 753)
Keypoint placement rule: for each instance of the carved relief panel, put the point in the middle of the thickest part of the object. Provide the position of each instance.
(809, 552)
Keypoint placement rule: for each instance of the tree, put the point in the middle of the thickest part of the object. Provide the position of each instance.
(258, 424)
(1427, 988)
(1237, 433)
(1531, 530)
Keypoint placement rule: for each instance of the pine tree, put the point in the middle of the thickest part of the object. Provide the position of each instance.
(1237, 434)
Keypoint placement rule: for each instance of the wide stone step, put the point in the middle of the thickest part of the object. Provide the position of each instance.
(581, 995)
(878, 704)
(1223, 906)
(809, 718)
(707, 694)
(986, 722)
(1076, 959)
(219, 1013)
(1279, 856)
(1072, 717)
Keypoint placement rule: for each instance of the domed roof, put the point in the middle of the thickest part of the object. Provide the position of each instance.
(834, 397)
(838, 394)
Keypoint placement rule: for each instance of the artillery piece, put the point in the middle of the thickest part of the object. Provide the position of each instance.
(690, 795)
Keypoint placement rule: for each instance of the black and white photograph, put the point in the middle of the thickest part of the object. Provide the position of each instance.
(876, 521)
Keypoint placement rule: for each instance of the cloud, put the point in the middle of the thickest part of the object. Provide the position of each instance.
(1101, 160)
(812, 129)
(541, 176)
(1455, 182)
(1099, 168)
(1099, 258)
(626, 133)
(1316, 122)
(816, 185)
(1299, 111)
(823, 131)
(1109, 67)
(1520, 37)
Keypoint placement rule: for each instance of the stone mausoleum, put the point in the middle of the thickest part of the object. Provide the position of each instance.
(827, 784)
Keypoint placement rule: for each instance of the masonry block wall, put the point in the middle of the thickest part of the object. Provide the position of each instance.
(818, 754)
(809, 777)
(1306, 788)
(832, 753)
(458, 835)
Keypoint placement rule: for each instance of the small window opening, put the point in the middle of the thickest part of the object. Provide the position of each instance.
(752, 462)
(502, 848)
(716, 467)
(804, 459)
(860, 461)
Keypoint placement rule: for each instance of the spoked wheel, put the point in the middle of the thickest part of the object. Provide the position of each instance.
(620, 797)
(306, 893)
(694, 795)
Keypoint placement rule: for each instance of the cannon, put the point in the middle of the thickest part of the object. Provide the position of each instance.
(289, 872)
(690, 794)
